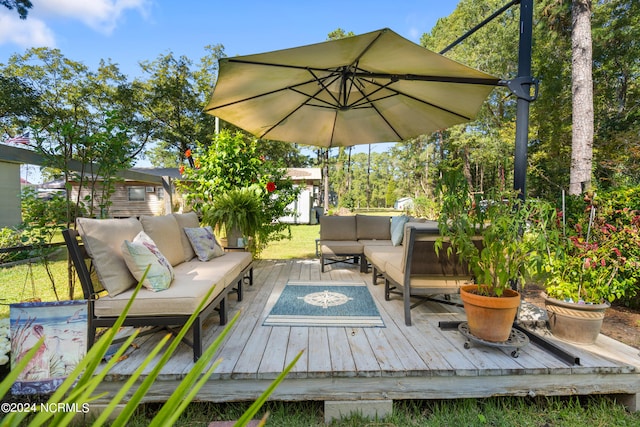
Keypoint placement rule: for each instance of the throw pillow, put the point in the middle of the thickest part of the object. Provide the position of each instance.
(187, 220)
(397, 229)
(142, 252)
(204, 243)
(103, 239)
(165, 232)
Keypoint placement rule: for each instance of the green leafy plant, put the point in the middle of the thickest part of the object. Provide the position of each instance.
(500, 237)
(229, 164)
(238, 208)
(80, 385)
(596, 257)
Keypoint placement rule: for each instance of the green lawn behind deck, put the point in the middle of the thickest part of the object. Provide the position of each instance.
(301, 245)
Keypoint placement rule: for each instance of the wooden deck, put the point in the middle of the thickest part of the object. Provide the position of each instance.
(422, 361)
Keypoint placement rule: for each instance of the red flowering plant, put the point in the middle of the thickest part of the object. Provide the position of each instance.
(232, 174)
(598, 259)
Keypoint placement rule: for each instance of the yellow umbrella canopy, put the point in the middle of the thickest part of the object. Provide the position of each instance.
(375, 87)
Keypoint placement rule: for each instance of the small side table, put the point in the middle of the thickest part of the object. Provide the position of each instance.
(235, 249)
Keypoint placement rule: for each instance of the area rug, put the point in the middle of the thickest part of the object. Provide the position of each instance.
(340, 304)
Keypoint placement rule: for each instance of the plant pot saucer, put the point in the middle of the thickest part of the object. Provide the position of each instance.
(517, 340)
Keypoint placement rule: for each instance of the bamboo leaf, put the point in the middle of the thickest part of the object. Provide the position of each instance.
(185, 392)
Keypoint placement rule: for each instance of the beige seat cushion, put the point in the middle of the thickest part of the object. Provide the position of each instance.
(340, 247)
(371, 227)
(103, 239)
(234, 263)
(165, 232)
(379, 255)
(366, 243)
(192, 281)
(338, 228)
(187, 220)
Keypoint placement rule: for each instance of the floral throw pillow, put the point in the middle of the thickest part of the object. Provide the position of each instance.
(204, 243)
(142, 252)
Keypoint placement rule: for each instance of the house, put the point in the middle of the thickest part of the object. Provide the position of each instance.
(306, 206)
(151, 191)
(147, 191)
(403, 204)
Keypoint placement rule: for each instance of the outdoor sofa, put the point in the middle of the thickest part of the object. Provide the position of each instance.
(343, 238)
(108, 282)
(400, 251)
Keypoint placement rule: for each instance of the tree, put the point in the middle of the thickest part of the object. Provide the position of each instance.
(21, 6)
(18, 102)
(616, 92)
(582, 89)
(171, 102)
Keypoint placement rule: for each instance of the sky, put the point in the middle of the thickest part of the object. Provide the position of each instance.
(130, 31)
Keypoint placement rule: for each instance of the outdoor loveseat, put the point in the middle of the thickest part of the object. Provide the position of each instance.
(108, 283)
(400, 250)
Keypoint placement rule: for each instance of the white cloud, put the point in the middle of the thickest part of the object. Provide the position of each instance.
(24, 33)
(100, 15)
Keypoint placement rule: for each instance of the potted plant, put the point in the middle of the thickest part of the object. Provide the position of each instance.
(239, 211)
(501, 242)
(590, 263)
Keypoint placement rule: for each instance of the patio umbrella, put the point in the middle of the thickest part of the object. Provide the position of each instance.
(375, 87)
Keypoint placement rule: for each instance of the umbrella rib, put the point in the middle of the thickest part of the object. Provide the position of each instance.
(397, 92)
(272, 64)
(301, 105)
(325, 87)
(239, 101)
(425, 78)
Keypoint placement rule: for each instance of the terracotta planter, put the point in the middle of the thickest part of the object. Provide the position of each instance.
(490, 318)
(576, 323)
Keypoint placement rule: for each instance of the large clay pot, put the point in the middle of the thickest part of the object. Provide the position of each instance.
(576, 323)
(490, 318)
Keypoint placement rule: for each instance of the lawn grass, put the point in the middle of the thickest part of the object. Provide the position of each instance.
(30, 281)
(301, 245)
(498, 411)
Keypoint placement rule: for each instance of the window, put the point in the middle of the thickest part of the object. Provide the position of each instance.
(160, 193)
(136, 194)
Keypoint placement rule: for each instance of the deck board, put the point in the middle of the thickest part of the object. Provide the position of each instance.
(375, 363)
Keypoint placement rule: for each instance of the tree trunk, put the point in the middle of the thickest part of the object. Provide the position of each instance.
(582, 98)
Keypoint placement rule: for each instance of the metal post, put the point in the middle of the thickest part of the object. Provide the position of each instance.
(522, 113)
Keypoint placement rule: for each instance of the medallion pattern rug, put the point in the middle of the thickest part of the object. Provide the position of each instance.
(331, 303)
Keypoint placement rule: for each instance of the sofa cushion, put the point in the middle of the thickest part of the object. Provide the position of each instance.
(366, 243)
(204, 243)
(340, 247)
(142, 253)
(338, 228)
(397, 229)
(378, 255)
(187, 220)
(103, 239)
(165, 232)
(233, 263)
(192, 281)
(373, 227)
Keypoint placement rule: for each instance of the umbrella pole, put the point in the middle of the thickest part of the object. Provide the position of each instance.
(325, 170)
(524, 99)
